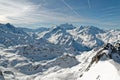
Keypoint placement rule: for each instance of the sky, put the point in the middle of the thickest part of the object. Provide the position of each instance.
(45, 13)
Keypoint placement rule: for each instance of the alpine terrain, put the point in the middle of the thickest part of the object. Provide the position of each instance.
(62, 52)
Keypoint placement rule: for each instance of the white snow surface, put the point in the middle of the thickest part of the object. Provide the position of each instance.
(103, 70)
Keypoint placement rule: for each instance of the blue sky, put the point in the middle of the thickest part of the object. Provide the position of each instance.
(40, 13)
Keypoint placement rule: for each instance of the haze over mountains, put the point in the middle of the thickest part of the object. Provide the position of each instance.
(62, 52)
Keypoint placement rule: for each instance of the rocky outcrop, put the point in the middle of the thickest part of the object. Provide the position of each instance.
(108, 50)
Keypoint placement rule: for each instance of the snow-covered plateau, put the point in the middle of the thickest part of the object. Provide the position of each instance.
(63, 52)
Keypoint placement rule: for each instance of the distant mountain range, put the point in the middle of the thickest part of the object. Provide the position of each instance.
(79, 38)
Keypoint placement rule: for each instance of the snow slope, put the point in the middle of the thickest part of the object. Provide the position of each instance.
(103, 70)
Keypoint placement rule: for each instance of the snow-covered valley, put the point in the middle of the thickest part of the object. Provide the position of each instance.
(63, 52)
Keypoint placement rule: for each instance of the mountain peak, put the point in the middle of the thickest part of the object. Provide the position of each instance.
(66, 26)
(6, 26)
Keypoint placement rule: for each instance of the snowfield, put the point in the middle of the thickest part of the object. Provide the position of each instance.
(103, 70)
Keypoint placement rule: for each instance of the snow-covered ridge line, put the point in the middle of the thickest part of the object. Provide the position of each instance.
(11, 36)
(106, 64)
(79, 38)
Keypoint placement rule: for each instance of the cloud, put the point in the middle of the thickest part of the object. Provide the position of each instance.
(13, 8)
(26, 12)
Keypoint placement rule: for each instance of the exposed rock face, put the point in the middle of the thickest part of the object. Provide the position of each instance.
(112, 49)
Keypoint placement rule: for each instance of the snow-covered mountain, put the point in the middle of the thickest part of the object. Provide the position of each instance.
(110, 36)
(34, 32)
(10, 35)
(87, 35)
(70, 36)
(59, 53)
(60, 36)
